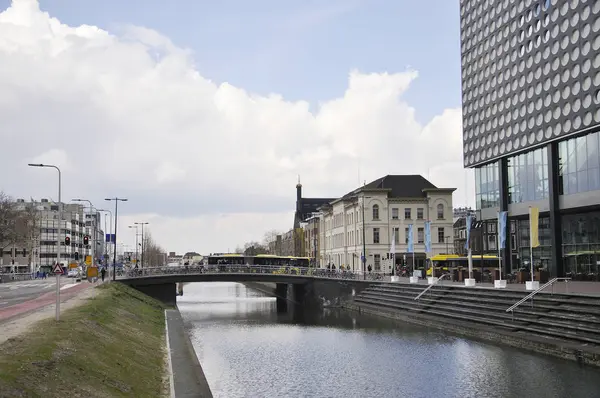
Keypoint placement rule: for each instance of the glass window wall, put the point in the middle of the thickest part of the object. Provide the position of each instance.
(579, 164)
(528, 176)
(581, 245)
(487, 186)
(541, 254)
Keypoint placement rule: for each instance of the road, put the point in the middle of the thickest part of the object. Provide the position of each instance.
(12, 293)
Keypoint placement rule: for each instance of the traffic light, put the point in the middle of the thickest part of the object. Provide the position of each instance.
(86, 240)
(67, 241)
(76, 256)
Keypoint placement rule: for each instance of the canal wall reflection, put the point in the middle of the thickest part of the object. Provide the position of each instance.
(249, 349)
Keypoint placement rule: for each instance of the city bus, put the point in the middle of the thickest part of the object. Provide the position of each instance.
(260, 259)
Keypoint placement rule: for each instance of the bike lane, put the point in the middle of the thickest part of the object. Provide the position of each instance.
(42, 301)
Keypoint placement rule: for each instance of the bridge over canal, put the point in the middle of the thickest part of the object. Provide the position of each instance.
(297, 284)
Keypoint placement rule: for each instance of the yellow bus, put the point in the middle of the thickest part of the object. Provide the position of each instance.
(450, 262)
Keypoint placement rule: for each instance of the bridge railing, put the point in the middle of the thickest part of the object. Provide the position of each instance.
(253, 269)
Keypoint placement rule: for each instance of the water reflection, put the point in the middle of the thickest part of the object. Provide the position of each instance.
(248, 349)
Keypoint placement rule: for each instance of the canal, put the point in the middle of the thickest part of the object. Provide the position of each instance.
(247, 349)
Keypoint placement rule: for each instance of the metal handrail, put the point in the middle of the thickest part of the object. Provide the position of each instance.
(551, 282)
(317, 273)
(430, 286)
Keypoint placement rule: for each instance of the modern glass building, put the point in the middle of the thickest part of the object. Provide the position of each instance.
(531, 122)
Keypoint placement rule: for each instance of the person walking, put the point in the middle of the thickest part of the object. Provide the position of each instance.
(103, 272)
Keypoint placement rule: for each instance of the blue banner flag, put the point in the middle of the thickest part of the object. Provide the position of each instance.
(469, 223)
(411, 245)
(111, 238)
(428, 236)
(502, 216)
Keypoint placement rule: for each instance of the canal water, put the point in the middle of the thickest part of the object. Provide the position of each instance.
(247, 349)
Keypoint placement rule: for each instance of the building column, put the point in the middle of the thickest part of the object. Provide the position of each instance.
(503, 180)
(556, 268)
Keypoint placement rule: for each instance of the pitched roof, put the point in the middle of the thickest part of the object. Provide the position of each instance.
(309, 206)
(401, 186)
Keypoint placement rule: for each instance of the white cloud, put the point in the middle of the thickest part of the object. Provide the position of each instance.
(130, 116)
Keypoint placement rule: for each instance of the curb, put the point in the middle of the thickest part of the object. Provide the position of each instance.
(171, 381)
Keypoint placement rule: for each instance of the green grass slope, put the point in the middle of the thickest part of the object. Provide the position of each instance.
(110, 346)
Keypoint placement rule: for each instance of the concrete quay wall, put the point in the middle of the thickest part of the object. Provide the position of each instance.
(187, 378)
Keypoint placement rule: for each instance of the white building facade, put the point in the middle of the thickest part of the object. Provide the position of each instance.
(390, 205)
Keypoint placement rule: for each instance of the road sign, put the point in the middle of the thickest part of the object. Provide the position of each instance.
(88, 260)
(57, 269)
(92, 272)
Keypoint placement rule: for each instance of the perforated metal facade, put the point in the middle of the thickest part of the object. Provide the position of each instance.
(530, 73)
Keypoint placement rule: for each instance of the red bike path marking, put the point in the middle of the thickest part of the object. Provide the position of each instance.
(41, 301)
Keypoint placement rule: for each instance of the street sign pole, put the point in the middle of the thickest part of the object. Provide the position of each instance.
(57, 271)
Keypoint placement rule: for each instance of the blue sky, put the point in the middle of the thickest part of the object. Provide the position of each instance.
(299, 49)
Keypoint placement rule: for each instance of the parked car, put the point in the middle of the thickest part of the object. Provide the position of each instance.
(73, 273)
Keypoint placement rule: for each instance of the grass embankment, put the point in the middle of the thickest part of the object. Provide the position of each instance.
(110, 346)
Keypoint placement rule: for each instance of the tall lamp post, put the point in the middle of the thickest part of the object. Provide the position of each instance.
(117, 200)
(364, 240)
(60, 216)
(109, 228)
(136, 242)
(143, 244)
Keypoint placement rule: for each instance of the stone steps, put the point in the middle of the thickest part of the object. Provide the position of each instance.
(564, 318)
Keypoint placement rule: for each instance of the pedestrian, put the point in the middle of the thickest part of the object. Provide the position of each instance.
(103, 272)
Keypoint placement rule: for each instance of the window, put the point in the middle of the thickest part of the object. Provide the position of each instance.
(487, 186)
(406, 234)
(377, 261)
(396, 235)
(375, 235)
(407, 214)
(441, 235)
(420, 213)
(440, 211)
(375, 212)
(579, 164)
(394, 213)
(528, 176)
(421, 235)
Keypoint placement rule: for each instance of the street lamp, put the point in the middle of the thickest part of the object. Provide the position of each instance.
(136, 243)
(143, 244)
(116, 199)
(109, 230)
(364, 259)
(446, 239)
(60, 216)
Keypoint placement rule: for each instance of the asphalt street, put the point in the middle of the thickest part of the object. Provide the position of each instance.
(12, 293)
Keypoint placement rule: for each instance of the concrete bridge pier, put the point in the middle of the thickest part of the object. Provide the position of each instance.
(164, 292)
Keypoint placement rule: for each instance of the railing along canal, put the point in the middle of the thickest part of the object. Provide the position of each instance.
(430, 286)
(551, 282)
(320, 273)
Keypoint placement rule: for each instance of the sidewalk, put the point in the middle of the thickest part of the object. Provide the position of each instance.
(67, 292)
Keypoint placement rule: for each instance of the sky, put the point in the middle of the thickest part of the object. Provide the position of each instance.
(203, 114)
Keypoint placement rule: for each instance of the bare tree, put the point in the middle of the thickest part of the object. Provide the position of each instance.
(271, 236)
(239, 250)
(153, 254)
(255, 248)
(8, 221)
